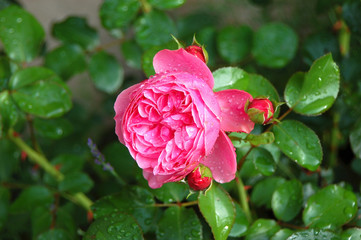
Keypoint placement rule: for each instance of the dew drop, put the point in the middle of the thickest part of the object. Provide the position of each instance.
(19, 20)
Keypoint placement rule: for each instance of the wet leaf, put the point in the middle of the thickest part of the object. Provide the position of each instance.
(39, 91)
(287, 200)
(166, 4)
(314, 92)
(114, 226)
(341, 207)
(118, 13)
(106, 72)
(262, 229)
(314, 234)
(236, 78)
(299, 143)
(21, 34)
(262, 192)
(75, 30)
(66, 61)
(217, 208)
(153, 29)
(178, 223)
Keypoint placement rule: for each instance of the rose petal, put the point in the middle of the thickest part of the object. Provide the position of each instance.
(181, 61)
(233, 116)
(120, 106)
(222, 161)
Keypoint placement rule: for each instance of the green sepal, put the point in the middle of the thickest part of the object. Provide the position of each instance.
(204, 51)
(180, 45)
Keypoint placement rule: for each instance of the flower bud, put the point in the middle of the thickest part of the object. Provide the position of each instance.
(196, 51)
(200, 178)
(260, 110)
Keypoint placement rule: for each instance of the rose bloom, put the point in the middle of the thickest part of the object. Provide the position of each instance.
(173, 121)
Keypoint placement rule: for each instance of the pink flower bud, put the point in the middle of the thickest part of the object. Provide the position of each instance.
(196, 51)
(260, 110)
(198, 180)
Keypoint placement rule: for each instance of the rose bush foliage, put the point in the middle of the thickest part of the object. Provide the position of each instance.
(245, 133)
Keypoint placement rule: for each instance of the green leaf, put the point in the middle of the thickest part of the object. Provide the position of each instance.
(314, 234)
(135, 201)
(262, 229)
(38, 91)
(241, 223)
(314, 92)
(341, 207)
(5, 72)
(218, 209)
(274, 45)
(4, 205)
(264, 138)
(351, 234)
(53, 128)
(68, 163)
(178, 223)
(153, 29)
(76, 182)
(299, 143)
(132, 53)
(118, 13)
(106, 72)
(282, 234)
(355, 139)
(75, 30)
(10, 156)
(54, 234)
(287, 200)
(66, 61)
(114, 226)
(234, 43)
(166, 4)
(9, 113)
(147, 58)
(262, 192)
(236, 78)
(30, 198)
(21, 34)
(171, 192)
(263, 161)
(40, 220)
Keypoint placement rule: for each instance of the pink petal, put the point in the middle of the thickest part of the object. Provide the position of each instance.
(222, 161)
(120, 106)
(233, 116)
(182, 61)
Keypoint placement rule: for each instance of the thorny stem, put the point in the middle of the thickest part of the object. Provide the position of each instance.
(32, 134)
(243, 159)
(39, 159)
(243, 198)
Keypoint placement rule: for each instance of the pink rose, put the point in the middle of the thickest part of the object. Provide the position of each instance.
(173, 121)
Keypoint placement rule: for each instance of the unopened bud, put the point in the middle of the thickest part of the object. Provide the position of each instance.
(260, 110)
(200, 178)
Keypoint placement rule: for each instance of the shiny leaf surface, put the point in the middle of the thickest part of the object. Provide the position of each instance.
(299, 143)
(218, 209)
(314, 92)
